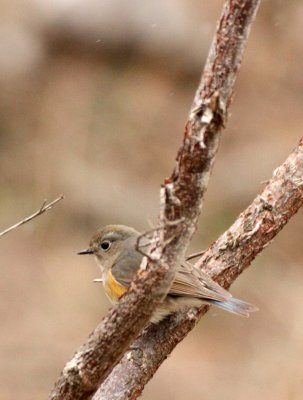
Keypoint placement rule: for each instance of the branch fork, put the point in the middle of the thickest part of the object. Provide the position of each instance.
(106, 361)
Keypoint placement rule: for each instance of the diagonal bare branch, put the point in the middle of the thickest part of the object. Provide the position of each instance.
(45, 207)
(224, 260)
(180, 205)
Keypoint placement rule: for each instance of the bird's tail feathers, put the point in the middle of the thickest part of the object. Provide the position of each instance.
(235, 306)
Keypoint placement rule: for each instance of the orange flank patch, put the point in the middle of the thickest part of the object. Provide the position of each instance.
(113, 288)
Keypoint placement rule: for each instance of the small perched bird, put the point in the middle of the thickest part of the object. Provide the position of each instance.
(114, 248)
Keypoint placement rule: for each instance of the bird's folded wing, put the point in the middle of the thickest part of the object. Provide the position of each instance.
(192, 282)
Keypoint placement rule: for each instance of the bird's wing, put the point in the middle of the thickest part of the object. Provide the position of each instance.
(192, 282)
(189, 281)
(126, 266)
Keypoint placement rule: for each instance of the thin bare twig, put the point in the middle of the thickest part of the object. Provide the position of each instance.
(195, 255)
(224, 261)
(45, 207)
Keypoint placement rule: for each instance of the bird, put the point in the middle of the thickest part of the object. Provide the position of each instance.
(114, 248)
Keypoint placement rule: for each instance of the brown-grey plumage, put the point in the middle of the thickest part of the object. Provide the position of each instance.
(114, 248)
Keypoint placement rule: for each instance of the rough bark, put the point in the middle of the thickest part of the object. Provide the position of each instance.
(224, 260)
(180, 205)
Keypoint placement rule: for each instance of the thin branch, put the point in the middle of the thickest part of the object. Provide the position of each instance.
(224, 260)
(181, 198)
(195, 255)
(45, 207)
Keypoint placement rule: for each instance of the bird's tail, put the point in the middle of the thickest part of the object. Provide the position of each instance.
(235, 306)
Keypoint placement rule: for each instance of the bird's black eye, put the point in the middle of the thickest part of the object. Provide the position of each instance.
(105, 245)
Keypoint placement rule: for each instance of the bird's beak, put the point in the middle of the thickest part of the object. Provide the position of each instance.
(86, 251)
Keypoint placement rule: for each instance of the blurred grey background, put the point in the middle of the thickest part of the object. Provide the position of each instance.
(94, 96)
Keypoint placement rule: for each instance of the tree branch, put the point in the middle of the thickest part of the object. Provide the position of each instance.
(45, 207)
(224, 260)
(180, 205)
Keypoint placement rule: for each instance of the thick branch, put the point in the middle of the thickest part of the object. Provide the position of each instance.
(181, 201)
(224, 260)
(45, 207)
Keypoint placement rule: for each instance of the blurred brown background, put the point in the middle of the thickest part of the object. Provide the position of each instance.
(94, 96)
